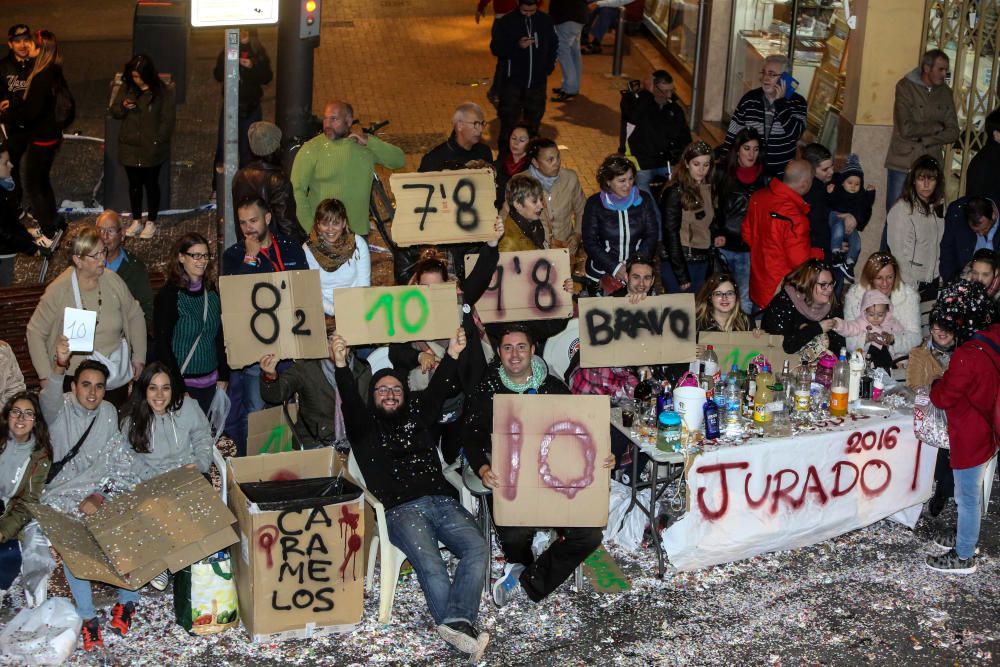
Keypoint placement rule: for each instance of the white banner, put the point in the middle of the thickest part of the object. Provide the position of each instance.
(792, 492)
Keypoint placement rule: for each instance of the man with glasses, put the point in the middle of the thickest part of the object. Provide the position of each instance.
(776, 228)
(464, 145)
(777, 113)
(659, 132)
(521, 372)
(339, 164)
(129, 268)
(393, 443)
(924, 120)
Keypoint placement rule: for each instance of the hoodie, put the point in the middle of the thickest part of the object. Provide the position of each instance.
(178, 438)
(528, 67)
(861, 325)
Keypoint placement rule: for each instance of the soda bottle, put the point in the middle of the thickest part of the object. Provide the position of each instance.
(764, 396)
(712, 430)
(839, 386)
(803, 381)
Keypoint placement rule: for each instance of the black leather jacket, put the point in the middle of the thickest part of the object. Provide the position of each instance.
(267, 181)
(734, 196)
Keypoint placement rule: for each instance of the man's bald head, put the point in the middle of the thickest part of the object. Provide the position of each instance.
(337, 119)
(798, 176)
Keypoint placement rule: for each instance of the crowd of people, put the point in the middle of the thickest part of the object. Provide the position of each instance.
(761, 230)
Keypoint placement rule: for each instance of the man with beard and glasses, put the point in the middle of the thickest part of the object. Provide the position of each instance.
(261, 248)
(392, 440)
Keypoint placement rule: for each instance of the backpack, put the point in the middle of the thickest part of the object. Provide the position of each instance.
(994, 416)
(65, 106)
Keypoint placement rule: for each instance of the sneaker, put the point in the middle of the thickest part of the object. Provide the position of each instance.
(936, 506)
(461, 635)
(507, 586)
(562, 96)
(160, 581)
(846, 270)
(482, 639)
(135, 228)
(557, 90)
(148, 230)
(944, 540)
(950, 563)
(91, 633)
(594, 49)
(121, 618)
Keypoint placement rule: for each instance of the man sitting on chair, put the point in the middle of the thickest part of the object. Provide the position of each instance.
(398, 457)
(521, 372)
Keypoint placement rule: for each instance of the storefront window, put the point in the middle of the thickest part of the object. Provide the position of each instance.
(675, 24)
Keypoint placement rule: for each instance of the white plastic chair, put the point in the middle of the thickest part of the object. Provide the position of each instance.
(379, 359)
(389, 555)
(558, 350)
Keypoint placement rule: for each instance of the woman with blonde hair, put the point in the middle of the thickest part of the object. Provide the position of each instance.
(717, 306)
(688, 210)
(881, 272)
(341, 256)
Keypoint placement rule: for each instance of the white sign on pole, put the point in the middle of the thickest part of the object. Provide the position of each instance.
(220, 13)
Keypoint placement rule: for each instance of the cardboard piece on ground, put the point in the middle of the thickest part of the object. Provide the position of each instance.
(165, 523)
(740, 347)
(268, 431)
(273, 313)
(657, 330)
(299, 573)
(78, 327)
(530, 287)
(437, 207)
(549, 452)
(603, 573)
(368, 315)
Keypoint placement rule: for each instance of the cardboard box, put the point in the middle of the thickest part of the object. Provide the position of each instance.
(372, 315)
(299, 573)
(435, 207)
(165, 523)
(549, 452)
(269, 432)
(530, 287)
(273, 313)
(657, 330)
(741, 347)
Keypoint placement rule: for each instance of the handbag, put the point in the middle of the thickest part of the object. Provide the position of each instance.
(205, 599)
(717, 263)
(930, 423)
(119, 364)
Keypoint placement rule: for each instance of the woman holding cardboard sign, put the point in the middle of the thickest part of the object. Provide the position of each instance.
(717, 306)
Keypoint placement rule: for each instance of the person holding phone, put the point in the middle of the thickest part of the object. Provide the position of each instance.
(776, 111)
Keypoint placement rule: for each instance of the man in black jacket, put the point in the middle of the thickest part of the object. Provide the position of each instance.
(392, 443)
(660, 132)
(14, 71)
(264, 178)
(970, 223)
(521, 372)
(981, 178)
(525, 41)
(817, 197)
(464, 145)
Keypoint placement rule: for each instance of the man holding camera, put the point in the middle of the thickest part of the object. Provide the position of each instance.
(660, 132)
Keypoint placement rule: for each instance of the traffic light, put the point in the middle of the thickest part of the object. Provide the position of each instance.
(309, 18)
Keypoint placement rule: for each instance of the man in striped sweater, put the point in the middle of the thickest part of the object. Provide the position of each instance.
(779, 117)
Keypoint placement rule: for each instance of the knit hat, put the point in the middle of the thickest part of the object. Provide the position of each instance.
(964, 308)
(265, 138)
(852, 168)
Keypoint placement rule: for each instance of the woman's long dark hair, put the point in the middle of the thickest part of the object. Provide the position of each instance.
(176, 275)
(40, 430)
(137, 410)
(48, 56)
(726, 174)
(143, 64)
(924, 166)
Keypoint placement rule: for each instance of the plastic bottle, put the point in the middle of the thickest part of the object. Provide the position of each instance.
(803, 380)
(711, 362)
(824, 369)
(877, 387)
(712, 430)
(763, 397)
(838, 386)
(734, 422)
(788, 387)
(857, 371)
(668, 435)
(779, 414)
(749, 391)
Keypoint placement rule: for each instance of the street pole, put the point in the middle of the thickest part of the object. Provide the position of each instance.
(295, 80)
(230, 129)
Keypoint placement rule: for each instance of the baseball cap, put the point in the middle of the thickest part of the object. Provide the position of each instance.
(18, 31)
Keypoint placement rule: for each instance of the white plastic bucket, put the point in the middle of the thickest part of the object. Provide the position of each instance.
(689, 402)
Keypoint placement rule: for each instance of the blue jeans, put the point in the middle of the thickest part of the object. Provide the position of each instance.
(837, 238)
(569, 55)
(969, 498)
(84, 598)
(739, 266)
(643, 178)
(601, 20)
(696, 271)
(894, 181)
(244, 393)
(416, 528)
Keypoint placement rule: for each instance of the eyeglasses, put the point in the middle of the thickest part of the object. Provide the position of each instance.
(99, 254)
(108, 231)
(478, 124)
(385, 391)
(29, 415)
(724, 295)
(768, 73)
(823, 285)
(198, 256)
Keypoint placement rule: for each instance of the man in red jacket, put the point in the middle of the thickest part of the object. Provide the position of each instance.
(967, 393)
(776, 228)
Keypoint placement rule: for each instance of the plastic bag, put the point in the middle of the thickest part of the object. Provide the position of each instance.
(205, 596)
(628, 533)
(45, 635)
(218, 411)
(930, 423)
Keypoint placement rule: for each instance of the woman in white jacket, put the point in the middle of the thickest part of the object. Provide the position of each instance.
(915, 228)
(881, 272)
(340, 255)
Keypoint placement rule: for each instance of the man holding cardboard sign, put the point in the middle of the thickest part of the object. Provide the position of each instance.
(397, 453)
(521, 372)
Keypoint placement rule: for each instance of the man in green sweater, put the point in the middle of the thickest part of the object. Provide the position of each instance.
(339, 164)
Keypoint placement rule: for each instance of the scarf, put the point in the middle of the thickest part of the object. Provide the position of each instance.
(512, 166)
(538, 372)
(533, 229)
(814, 313)
(614, 203)
(747, 175)
(7, 184)
(331, 258)
(329, 372)
(547, 181)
